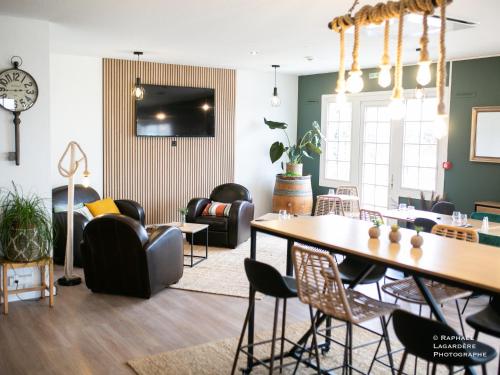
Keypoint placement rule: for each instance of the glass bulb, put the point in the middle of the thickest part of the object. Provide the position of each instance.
(275, 101)
(355, 83)
(138, 92)
(341, 98)
(441, 126)
(384, 76)
(397, 108)
(86, 179)
(419, 92)
(424, 73)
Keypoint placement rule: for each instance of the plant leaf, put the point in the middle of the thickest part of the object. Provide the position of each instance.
(275, 124)
(312, 148)
(276, 151)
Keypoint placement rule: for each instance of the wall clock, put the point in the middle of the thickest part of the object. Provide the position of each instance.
(18, 93)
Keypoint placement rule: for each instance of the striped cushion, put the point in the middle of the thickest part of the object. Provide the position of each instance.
(217, 209)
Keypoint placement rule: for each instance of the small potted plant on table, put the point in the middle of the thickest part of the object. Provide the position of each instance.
(417, 240)
(374, 231)
(394, 234)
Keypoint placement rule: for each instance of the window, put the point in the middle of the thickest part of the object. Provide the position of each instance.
(338, 142)
(420, 148)
(386, 159)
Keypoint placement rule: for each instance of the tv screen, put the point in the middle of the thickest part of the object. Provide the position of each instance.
(172, 111)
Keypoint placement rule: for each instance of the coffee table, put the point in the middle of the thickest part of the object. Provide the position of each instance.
(192, 229)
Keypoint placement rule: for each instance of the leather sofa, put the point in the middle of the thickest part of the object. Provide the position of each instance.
(60, 223)
(224, 231)
(120, 258)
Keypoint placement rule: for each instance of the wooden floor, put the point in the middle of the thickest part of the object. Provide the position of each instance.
(88, 333)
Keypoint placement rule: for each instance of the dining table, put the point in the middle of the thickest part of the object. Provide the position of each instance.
(467, 265)
(409, 216)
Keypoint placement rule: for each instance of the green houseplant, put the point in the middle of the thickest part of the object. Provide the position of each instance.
(183, 211)
(25, 226)
(307, 146)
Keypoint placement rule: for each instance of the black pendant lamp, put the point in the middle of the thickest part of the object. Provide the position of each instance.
(138, 89)
(275, 99)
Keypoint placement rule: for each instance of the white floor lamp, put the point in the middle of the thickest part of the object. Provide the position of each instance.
(71, 151)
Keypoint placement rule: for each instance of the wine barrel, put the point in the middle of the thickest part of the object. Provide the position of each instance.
(293, 194)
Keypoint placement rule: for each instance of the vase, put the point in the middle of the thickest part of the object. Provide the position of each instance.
(417, 241)
(394, 236)
(294, 169)
(183, 220)
(24, 245)
(374, 232)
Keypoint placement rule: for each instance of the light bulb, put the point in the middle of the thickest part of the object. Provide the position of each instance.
(424, 73)
(440, 126)
(419, 92)
(275, 101)
(384, 76)
(355, 83)
(138, 92)
(397, 108)
(86, 179)
(341, 98)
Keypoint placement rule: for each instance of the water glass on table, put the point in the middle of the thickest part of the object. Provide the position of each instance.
(402, 207)
(456, 217)
(463, 220)
(283, 214)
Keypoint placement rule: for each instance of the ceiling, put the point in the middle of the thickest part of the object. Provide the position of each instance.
(222, 33)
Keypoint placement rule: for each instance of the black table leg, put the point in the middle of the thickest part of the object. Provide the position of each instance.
(192, 240)
(251, 301)
(206, 245)
(289, 262)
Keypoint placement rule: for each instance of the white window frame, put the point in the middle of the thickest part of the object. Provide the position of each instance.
(356, 131)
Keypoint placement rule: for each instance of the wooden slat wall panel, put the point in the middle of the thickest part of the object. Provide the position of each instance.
(149, 170)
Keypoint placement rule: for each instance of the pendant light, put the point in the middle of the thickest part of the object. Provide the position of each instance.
(275, 99)
(138, 89)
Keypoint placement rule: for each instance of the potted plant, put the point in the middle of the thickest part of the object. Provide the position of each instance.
(394, 234)
(183, 211)
(417, 240)
(374, 231)
(307, 146)
(25, 226)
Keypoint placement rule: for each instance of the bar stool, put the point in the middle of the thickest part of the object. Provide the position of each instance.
(487, 321)
(418, 336)
(319, 285)
(267, 280)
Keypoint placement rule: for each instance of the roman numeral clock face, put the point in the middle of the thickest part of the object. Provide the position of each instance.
(18, 90)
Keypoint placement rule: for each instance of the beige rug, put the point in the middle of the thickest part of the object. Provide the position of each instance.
(216, 358)
(224, 273)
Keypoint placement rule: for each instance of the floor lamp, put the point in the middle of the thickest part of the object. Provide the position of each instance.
(76, 156)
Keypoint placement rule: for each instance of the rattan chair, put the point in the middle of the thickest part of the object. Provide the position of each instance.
(368, 215)
(326, 205)
(407, 290)
(319, 285)
(350, 207)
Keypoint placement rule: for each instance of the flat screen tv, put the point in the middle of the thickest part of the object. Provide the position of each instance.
(172, 111)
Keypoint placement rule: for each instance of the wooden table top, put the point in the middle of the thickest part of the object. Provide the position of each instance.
(411, 215)
(185, 228)
(466, 263)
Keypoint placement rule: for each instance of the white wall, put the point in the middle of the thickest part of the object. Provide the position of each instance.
(253, 138)
(76, 113)
(29, 39)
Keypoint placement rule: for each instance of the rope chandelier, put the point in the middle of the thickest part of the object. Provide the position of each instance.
(382, 13)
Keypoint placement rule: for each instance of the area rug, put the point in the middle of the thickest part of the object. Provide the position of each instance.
(224, 273)
(216, 358)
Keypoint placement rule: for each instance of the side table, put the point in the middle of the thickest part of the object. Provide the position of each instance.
(41, 264)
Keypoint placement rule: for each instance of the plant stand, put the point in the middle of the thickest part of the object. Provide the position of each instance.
(41, 264)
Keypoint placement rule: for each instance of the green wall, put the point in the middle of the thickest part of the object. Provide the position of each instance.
(474, 83)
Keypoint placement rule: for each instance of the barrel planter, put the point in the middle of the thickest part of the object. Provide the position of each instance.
(293, 194)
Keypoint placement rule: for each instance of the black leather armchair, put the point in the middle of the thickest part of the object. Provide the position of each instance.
(60, 223)
(120, 258)
(224, 231)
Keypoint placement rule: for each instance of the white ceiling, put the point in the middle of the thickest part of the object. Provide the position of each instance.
(223, 32)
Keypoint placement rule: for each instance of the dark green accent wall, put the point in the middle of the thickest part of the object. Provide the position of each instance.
(474, 83)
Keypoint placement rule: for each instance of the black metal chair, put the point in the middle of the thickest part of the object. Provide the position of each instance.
(487, 321)
(443, 208)
(418, 336)
(267, 280)
(426, 224)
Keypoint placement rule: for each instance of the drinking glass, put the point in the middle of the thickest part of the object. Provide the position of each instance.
(331, 191)
(282, 214)
(456, 216)
(402, 206)
(463, 220)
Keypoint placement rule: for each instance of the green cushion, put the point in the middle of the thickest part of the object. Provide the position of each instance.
(480, 215)
(489, 239)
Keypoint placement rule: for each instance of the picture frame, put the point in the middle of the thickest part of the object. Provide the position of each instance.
(485, 134)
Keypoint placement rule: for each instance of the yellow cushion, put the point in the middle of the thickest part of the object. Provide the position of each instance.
(104, 206)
